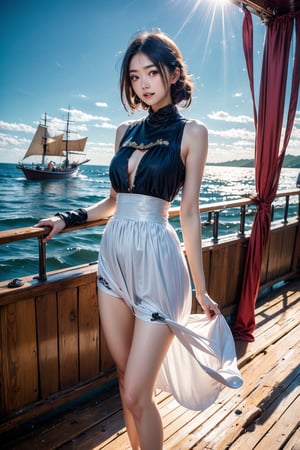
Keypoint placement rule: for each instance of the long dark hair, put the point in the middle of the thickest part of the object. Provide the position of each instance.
(166, 56)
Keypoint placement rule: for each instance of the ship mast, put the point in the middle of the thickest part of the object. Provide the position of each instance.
(44, 139)
(67, 138)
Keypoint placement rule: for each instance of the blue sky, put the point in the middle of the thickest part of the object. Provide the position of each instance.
(56, 53)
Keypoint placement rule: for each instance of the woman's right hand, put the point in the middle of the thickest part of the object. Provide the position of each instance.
(56, 225)
(209, 306)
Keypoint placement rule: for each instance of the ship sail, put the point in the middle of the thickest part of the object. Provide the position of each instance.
(76, 145)
(43, 144)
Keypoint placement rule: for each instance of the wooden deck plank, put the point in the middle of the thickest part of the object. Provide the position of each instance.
(253, 406)
(293, 443)
(225, 425)
(281, 312)
(283, 424)
(260, 360)
(108, 432)
(73, 422)
(268, 403)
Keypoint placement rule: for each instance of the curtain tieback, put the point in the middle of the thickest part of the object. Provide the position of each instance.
(261, 204)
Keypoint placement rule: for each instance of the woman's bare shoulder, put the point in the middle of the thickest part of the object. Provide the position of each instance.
(121, 130)
(195, 136)
(122, 127)
(194, 127)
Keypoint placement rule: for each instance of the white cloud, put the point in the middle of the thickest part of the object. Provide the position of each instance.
(225, 117)
(6, 140)
(101, 104)
(100, 152)
(293, 147)
(80, 116)
(229, 152)
(241, 144)
(106, 125)
(58, 126)
(296, 134)
(234, 133)
(16, 127)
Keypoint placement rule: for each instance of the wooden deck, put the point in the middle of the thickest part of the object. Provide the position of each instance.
(263, 414)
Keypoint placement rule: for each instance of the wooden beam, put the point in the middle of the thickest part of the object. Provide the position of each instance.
(263, 13)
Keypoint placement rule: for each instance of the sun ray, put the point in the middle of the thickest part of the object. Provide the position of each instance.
(212, 12)
(189, 17)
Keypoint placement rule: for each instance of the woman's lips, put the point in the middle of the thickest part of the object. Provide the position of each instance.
(148, 95)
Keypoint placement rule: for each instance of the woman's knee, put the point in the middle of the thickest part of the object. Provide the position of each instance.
(133, 403)
(136, 398)
(130, 395)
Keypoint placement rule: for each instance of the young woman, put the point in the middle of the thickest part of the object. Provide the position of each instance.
(143, 279)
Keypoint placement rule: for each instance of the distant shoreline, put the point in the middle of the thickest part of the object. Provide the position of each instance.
(290, 162)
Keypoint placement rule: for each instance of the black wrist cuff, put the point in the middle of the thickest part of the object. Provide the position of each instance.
(73, 218)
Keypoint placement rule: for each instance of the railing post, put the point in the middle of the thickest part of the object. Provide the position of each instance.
(272, 212)
(42, 260)
(208, 220)
(215, 237)
(286, 209)
(241, 233)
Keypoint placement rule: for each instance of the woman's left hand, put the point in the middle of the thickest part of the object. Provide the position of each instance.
(209, 307)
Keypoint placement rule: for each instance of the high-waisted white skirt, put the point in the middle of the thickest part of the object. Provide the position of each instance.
(141, 261)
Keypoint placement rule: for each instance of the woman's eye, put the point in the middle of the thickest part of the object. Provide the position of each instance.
(153, 73)
(134, 77)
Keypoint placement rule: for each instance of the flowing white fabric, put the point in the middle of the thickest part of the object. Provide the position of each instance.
(141, 261)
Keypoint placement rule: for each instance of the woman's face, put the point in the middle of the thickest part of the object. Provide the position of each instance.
(147, 82)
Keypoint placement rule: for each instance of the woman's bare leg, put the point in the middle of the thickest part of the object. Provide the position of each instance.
(149, 346)
(117, 321)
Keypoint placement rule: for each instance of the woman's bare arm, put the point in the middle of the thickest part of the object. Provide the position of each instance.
(196, 142)
(102, 209)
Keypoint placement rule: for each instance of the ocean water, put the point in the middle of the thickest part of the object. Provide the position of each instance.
(23, 202)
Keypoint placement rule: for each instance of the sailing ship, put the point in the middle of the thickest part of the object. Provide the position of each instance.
(49, 149)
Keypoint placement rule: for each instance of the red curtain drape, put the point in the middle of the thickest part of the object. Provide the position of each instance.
(268, 156)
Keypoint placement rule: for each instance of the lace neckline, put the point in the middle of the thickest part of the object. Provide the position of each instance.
(163, 116)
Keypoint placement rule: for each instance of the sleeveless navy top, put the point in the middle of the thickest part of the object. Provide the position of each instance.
(161, 172)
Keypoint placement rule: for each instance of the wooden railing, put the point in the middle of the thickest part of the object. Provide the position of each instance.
(213, 211)
(51, 344)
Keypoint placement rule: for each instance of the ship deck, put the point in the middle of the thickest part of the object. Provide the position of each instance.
(264, 413)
